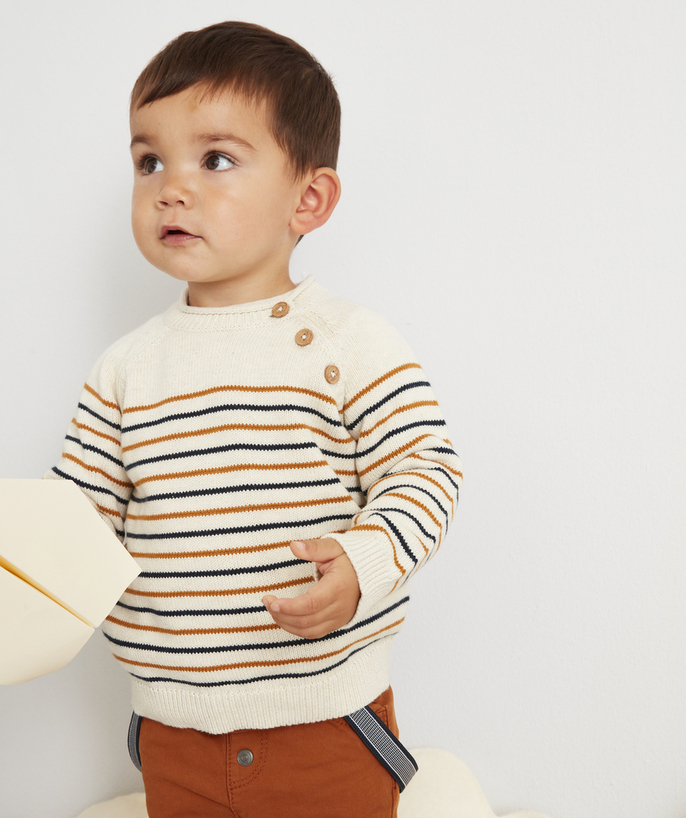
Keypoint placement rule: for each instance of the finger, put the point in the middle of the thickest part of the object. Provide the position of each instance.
(307, 631)
(317, 550)
(312, 604)
(307, 627)
(310, 627)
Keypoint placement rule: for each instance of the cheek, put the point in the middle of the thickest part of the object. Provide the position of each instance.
(266, 210)
(139, 215)
(142, 231)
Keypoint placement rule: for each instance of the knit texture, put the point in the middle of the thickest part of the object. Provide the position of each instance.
(209, 439)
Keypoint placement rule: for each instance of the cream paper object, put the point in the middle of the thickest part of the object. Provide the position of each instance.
(62, 570)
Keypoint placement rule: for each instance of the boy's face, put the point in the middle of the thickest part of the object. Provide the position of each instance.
(213, 196)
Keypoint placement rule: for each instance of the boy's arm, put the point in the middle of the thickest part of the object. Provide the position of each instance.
(411, 476)
(92, 456)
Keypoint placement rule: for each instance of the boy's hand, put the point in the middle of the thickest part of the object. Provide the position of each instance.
(328, 605)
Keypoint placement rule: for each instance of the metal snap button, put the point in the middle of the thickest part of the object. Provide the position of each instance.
(303, 337)
(245, 758)
(280, 309)
(332, 374)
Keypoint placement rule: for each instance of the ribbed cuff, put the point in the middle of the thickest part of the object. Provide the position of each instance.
(369, 554)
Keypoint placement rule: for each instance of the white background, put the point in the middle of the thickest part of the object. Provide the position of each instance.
(513, 201)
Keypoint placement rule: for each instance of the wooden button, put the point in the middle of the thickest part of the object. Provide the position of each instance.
(303, 337)
(332, 374)
(280, 309)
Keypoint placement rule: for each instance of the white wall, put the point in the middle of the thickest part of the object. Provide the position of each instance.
(514, 202)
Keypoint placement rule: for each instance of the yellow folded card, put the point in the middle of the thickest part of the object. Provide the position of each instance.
(62, 570)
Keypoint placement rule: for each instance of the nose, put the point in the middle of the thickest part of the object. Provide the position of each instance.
(175, 190)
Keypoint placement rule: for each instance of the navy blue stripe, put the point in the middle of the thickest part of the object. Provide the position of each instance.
(232, 447)
(399, 430)
(221, 572)
(204, 650)
(247, 610)
(201, 612)
(443, 450)
(397, 533)
(288, 643)
(390, 396)
(99, 417)
(448, 476)
(242, 529)
(252, 487)
(413, 518)
(360, 454)
(235, 407)
(437, 466)
(272, 677)
(89, 486)
(95, 449)
(416, 488)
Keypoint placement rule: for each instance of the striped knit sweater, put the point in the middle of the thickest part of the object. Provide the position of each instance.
(209, 439)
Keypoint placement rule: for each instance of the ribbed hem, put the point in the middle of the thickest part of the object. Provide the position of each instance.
(237, 316)
(275, 704)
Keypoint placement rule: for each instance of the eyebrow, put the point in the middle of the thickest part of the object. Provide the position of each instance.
(144, 139)
(225, 137)
(140, 139)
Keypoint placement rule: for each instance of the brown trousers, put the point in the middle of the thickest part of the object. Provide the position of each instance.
(319, 770)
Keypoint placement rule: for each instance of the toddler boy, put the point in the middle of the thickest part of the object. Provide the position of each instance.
(270, 454)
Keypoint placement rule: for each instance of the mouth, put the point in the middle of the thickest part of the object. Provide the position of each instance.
(174, 234)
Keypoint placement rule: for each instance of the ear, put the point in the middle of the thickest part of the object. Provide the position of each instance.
(320, 195)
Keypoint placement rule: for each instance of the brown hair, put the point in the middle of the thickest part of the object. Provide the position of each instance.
(303, 110)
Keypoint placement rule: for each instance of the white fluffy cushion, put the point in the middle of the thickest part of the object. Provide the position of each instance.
(126, 806)
(444, 787)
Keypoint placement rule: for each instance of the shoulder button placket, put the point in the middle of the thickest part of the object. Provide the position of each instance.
(303, 337)
(280, 309)
(332, 374)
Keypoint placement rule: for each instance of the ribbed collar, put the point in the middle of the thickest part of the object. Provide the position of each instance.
(238, 316)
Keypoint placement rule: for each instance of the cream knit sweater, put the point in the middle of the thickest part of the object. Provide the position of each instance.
(211, 438)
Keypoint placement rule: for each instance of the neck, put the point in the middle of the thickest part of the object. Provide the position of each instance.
(238, 291)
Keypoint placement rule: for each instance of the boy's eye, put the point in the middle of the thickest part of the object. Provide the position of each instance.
(151, 164)
(218, 161)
